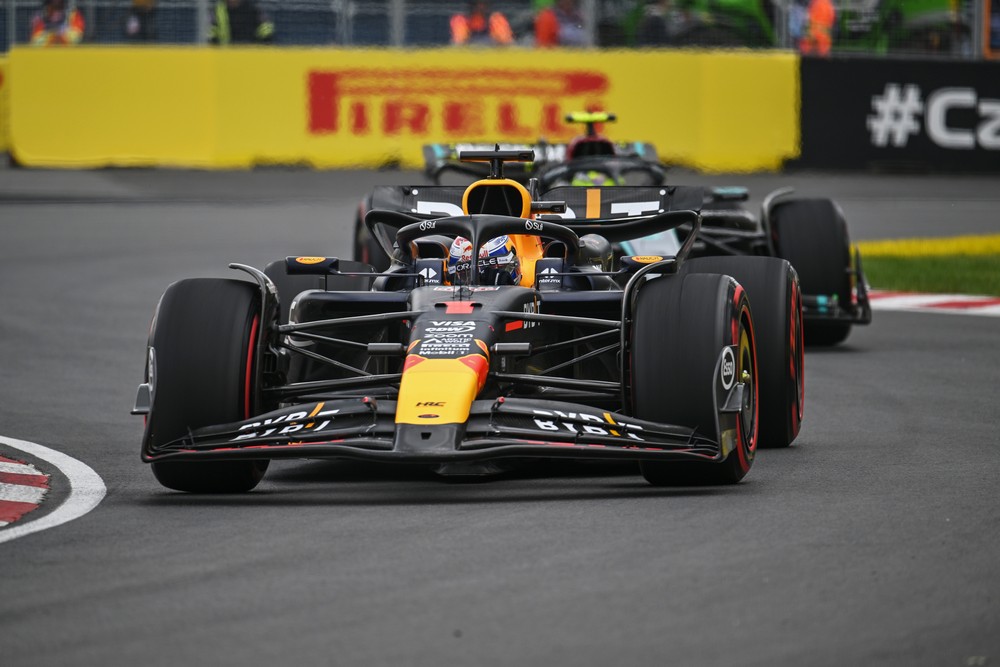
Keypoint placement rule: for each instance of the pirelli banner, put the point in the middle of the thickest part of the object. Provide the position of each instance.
(883, 113)
(226, 108)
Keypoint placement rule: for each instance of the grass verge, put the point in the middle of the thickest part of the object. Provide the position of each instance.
(941, 274)
(951, 265)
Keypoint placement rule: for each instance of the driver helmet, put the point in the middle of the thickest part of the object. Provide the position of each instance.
(497, 263)
(593, 179)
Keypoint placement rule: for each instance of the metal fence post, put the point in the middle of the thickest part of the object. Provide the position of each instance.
(201, 25)
(980, 28)
(782, 39)
(397, 22)
(11, 23)
(589, 10)
(342, 9)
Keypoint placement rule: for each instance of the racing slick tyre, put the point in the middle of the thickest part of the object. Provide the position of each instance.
(773, 289)
(680, 325)
(812, 235)
(203, 336)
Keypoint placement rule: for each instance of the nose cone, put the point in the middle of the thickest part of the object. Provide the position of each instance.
(439, 391)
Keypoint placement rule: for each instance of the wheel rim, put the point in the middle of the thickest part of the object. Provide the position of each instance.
(749, 415)
(747, 374)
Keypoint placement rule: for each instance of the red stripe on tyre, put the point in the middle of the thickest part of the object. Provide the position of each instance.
(248, 379)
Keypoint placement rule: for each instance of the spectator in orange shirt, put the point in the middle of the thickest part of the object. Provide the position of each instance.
(480, 26)
(818, 38)
(560, 24)
(56, 25)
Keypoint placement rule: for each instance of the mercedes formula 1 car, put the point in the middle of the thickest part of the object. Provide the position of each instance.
(589, 159)
(530, 341)
(810, 233)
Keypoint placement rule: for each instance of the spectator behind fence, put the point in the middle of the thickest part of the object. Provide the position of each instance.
(480, 26)
(56, 24)
(818, 37)
(140, 22)
(798, 20)
(240, 22)
(661, 24)
(560, 24)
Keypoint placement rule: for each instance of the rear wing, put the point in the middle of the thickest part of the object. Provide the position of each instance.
(426, 201)
(618, 213)
(442, 159)
(438, 201)
(624, 201)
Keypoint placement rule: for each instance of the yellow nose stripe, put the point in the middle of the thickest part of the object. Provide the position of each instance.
(437, 391)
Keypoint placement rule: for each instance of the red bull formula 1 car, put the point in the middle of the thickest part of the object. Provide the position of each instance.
(469, 362)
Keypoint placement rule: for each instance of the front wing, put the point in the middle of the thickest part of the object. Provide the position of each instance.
(364, 428)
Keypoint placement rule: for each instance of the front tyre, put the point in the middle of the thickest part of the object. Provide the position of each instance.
(680, 325)
(203, 342)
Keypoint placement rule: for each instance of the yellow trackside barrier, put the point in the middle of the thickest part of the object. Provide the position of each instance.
(239, 107)
(87, 107)
(986, 244)
(4, 105)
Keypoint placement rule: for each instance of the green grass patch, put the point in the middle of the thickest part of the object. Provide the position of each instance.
(945, 274)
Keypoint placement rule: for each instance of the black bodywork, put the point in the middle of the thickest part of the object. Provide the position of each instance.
(728, 227)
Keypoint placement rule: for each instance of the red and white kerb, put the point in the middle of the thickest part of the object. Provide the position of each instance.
(22, 489)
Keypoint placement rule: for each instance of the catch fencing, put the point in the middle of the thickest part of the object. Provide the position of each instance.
(954, 29)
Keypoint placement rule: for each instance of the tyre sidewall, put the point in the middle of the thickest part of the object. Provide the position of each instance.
(679, 328)
(203, 341)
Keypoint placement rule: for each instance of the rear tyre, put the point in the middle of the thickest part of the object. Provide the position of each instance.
(680, 325)
(773, 289)
(204, 335)
(812, 235)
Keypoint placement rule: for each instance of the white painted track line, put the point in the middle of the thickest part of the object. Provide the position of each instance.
(85, 493)
(935, 303)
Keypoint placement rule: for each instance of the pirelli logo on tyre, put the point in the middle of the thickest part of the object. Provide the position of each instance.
(727, 368)
(310, 260)
(517, 105)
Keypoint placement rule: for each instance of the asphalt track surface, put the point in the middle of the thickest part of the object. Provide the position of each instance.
(874, 540)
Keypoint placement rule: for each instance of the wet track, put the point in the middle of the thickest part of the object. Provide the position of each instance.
(874, 540)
